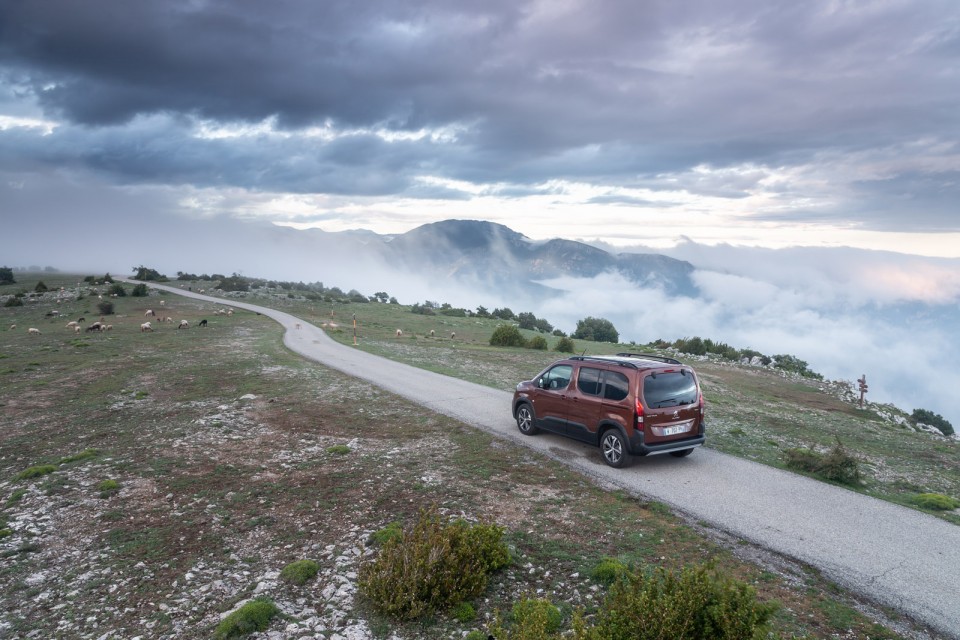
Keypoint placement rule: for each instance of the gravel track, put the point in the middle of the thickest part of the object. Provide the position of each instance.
(892, 555)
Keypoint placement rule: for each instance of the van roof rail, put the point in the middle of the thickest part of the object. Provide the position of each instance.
(649, 356)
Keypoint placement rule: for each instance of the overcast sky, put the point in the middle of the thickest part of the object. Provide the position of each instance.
(751, 122)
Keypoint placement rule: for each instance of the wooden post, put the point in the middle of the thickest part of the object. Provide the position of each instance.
(355, 331)
(863, 388)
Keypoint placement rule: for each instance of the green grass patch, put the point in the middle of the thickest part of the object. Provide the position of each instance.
(108, 488)
(4, 533)
(339, 449)
(36, 471)
(86, 454)
(936, 502)
(15, 497)
(300, 572)
(252, 617)
(382, 536)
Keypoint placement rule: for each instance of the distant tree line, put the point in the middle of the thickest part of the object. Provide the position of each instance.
(922, 416)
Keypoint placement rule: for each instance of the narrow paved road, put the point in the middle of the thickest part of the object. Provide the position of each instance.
(895, 556)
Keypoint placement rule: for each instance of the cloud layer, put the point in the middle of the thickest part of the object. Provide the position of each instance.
(838, 115)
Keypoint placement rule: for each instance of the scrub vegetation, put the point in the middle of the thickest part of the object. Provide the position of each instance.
(217, 441)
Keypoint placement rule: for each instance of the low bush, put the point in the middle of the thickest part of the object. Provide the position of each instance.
(339, 449)
(108, 487)
(936, 502)
(507, 335)
(836, 465)
(384, 535)
(538, 343)
(140, 291)
(5, 533)
(565, 345)
(105, 307)
(696, 603)
(536, 614)
(464, 612)
(36, 472)
(608, 571)
(116, 289)
(251, 617)
(300, 572)
(434, 565)
(13, 301)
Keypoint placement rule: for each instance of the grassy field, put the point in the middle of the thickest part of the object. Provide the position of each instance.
(753, 412)
(151, 482)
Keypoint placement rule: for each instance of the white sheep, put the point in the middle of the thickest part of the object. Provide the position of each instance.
(77, 329)
(229, 312)
(150, 312)
(432, 333)
(145, 327)
(184, 325)
(452, 335)
(399, 332)
(106, 327)
(72, 324)
(33, 331)
(168, 319)
(12, 327)
(163, 303)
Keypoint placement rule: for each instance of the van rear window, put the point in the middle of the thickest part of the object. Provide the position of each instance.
(669, 389)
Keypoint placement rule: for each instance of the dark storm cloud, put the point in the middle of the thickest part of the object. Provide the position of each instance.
(618, 93)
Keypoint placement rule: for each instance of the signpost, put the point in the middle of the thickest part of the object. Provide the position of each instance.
(863, 388)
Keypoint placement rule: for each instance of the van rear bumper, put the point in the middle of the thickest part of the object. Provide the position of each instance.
(640, 448)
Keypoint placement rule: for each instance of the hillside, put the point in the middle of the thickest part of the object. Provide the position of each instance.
(232, 458)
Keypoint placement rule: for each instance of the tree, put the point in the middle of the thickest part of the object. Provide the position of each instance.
(140, 291)
(144, 273)
(596, 329)
(924, 416)
(526, 320)
(234, 283)
(6, 276)
(116, 289)
(503, 314)
(482, 312)
(41, 287)
(381, 296)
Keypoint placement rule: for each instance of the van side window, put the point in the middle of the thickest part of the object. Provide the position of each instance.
(617, 386)
(588, 381)
(558, 377)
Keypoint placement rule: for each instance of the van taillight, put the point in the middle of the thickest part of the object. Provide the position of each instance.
(639, 412)
(703, 406)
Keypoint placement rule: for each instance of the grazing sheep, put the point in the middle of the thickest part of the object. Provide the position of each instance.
(453, 335)
(77, 329)
(12, 327)
(81, 319)
(107, 327)
(94, 327)
(150, 312)
(229, 312)
(399, 333)
(72, 324)
(202, 323)
(183, 325)
(432, 333)
(163, 303)
(145, 327)
(33, 331)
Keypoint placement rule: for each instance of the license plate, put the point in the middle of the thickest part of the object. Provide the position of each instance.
(672, 431)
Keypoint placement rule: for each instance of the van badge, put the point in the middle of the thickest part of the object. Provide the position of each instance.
(676, 414)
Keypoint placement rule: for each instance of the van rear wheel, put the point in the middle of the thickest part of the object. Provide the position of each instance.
(614, 448)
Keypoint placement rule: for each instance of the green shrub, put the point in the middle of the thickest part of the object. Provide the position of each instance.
(537, 614)
(565, 345)
(537, 342)
(507, 335)
(116, 289)
(384, 535)
(140, 291)
(105, 307)
(36, 472)
(464, 612)
(476, 634)
(597, 330)
(933, 419)
(15, 497)
(608, 571)
(251, 617)
(300, 572)
(86, 454)
(836, 465)
(694, 604)
(935, 502)
(432, 566)
(339, 449)
(41, 287)
(5, 533)
(13, 301)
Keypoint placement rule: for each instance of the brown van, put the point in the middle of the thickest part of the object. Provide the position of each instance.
(628, 404)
